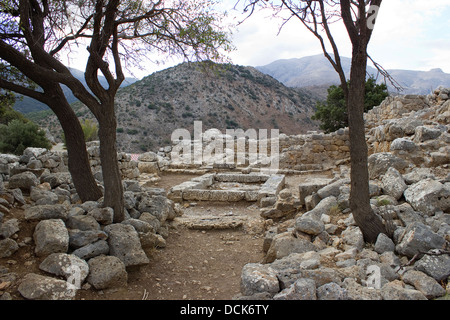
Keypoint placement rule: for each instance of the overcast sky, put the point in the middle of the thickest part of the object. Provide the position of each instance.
(409, 34)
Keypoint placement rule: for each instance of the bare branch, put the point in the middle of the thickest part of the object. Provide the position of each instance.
(386, 75)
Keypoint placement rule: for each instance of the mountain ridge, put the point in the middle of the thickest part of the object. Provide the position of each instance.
(316, 70)
(26, 104)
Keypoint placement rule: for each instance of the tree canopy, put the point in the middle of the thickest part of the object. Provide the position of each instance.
(333, 112)
(37, 35)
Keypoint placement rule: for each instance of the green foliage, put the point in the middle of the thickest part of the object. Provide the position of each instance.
(7, 113)
(16, 136)
(90, 130)
(17, 132)
(333, 112)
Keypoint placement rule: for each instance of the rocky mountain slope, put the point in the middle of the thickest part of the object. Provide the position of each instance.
(317, 71)
(225, 96)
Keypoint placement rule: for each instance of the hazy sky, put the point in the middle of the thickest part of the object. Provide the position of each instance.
(409, 34)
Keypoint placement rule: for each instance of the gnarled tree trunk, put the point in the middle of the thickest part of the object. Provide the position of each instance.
(110, 167)
(78, 159)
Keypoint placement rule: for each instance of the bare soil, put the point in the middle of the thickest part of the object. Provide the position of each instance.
(194, 265)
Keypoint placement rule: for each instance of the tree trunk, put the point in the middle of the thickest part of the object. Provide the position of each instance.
(78, 159)
(112, 178)
(369, 223)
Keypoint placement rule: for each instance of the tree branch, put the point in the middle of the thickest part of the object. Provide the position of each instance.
(7, 85)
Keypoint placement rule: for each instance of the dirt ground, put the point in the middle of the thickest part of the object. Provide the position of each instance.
(194, 265)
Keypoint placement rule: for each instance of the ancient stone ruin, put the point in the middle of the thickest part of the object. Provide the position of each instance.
(312, 245)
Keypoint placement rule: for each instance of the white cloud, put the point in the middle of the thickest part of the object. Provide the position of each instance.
(401, 37)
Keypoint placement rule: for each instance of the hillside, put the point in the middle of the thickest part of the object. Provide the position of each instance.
(227, 96)
(317, 71)
(27, 105)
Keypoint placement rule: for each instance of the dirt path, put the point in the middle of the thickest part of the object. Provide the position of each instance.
(195, 264)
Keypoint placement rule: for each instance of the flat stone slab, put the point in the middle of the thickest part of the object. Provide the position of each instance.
(211, 222)
(199, 188)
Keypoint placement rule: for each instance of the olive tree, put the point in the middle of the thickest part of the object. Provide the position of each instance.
(115, 32)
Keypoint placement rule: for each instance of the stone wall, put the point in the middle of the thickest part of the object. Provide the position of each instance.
(415, 128)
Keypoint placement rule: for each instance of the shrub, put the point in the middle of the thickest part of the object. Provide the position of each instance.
(90, 130)
(333, 113)
(17, 136)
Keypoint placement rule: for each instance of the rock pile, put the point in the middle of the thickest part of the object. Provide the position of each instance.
(320, 253)
(78, 242)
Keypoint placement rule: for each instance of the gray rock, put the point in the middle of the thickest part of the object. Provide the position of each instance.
(91, 250)
(309, 226)
(83, 222)
(37, 287)
(309, 187)
(139, 225)
(8, 247)
(124, 243)
(323, 207)
(51, 236)
(384, 244)
(418, 238)
(76, 211)
(43, 197)
(428, 196)
(402, 144)
(103, 216)
(148, 157)
(23, 181)
(81, 238)
(18, 196)
(408, 215)
(395, 290)
(418, 174)
(44, 212)
(425, 284)
(426, 133)
(107, 272)
(331, 291)
(333, 189)
(436, 266)
(129, 199)
(154, 223)
(353, 237)
(69, 266)
(356, 291)
(379, 163)
(8, 228)
(89, 205)
(393, 183)
(56, 179)
(302, 289)
(286, 243)
(151, 240)
(258, 278)
(159, 206)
